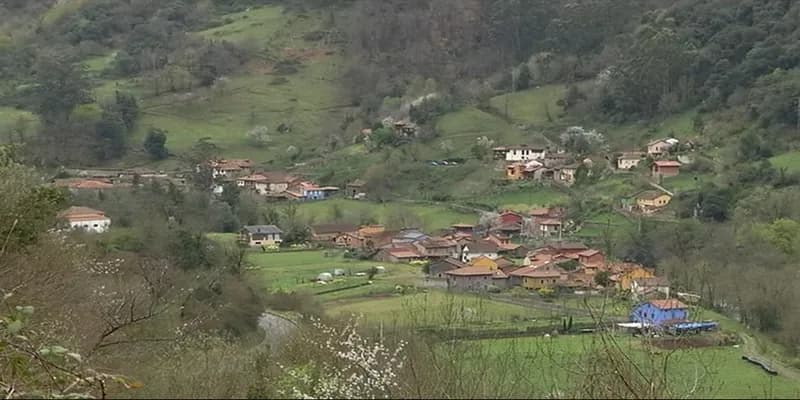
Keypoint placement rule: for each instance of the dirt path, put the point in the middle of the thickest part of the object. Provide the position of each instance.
(750, 348)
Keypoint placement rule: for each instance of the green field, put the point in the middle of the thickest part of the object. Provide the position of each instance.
(685, 182)
(305, 100)
(438, 308)
(463, 127)
(635, 135)
(61, 9)
(8, 121)
(717, 371)
(256, 24)
(531, 106)
(524, 198)
(297, 270)
(432, 217)
(790, 161)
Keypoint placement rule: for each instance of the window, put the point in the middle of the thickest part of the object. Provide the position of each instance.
(95, 225)
(542, 281)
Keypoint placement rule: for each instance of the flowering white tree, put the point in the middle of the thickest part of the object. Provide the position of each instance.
(579, 140)
(259, 136)
(356, 368)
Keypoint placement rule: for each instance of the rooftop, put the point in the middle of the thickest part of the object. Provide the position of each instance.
(470, 271)
(589, 253)
(667, 164)
(80, 183)
(262, 229)
(402, 252)
(483, 246)
(437, 242)
(322, 229)
(669, 304)
(537, 272)
(568, 246)
(650, 195)
(632, 155)
(79, 212)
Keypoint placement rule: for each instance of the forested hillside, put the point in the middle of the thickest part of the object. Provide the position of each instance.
(409, 98)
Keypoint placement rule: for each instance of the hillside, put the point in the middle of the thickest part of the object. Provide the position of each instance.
(435, 107)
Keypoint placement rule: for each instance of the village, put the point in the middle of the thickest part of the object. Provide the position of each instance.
(531, 250)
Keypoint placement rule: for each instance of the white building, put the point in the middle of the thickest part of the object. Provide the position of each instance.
(520, 153)
(261, 235)
(660, 146)
(629, 160)
(86, 219)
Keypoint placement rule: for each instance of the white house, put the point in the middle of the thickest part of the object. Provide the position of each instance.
(257, 182)
(549, 227)
(478, 248)
(86, 219)
(229, 168)
(660, 146)
(629, 160)
(519, 153)
(261, 235)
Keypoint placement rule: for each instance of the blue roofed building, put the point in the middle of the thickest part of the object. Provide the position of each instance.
(660, 312)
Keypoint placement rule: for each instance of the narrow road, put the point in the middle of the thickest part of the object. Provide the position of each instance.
(750, 348)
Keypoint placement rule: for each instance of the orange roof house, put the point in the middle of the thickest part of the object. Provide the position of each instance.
(666, 168)
(81, 183)
(85, 218)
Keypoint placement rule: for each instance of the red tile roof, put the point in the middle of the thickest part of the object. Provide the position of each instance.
(550, 222)
(667, 164)
(537, 272)
(231, 164)
(403, 253)
(79, 183)
(670, 304)
(589, 253)
(77, 213)
(254, 178)
(471, 271)
(539, 212)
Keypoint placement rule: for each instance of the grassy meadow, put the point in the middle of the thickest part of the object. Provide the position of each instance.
(436, 308)
(431, 217)
(717, 372)
(523, 198)
(531, 106)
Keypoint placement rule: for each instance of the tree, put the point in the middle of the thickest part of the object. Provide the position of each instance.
(294, 230)
(482, 147)
(603, 278)
(524, 77)
(447, 147)
(59, 86)
(110, 135)
(155, 144)
(259, 136)
(28, 208)
(128, 108)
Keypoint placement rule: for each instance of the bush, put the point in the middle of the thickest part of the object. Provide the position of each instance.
(300, 302)
(155, 144)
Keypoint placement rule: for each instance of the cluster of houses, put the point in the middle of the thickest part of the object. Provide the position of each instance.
(526, 162)
(558, 265)
(274, 185)
(466, 259)
(657, 150)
